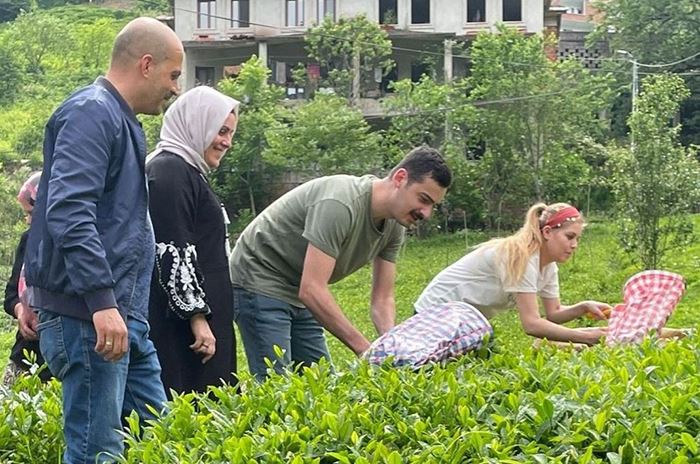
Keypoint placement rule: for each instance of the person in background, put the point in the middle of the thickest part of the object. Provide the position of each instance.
(516, 270)
(26, 338)
(317, 234)
(91, 250)
(191, 303)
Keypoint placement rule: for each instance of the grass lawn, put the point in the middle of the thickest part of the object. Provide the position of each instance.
(598, 271)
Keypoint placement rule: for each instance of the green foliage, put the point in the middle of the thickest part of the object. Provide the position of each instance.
(657, 31)
(505, 181)
(464, 204)
(325, 136)
(537, 109)
(518, 405)
(21, 134)
(334, 43)
(37, 39)
(244, 176)
(155, 7)
(657, 182)
(427, 112)
(653, 30)
(420, 110)
(622, 405)
(94, 44)
(565, 177)
(45, 56)
(31, 410)
(11, 71)
(251, 87)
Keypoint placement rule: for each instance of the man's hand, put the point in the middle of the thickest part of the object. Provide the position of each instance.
(112, 334)
(204, 340)
(27, 321)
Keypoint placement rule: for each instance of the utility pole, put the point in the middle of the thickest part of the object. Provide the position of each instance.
(448, 81)
(448, 61)
(635, 77)
(356, 73)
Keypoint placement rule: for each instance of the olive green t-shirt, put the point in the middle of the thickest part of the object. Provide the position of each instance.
(333, 214)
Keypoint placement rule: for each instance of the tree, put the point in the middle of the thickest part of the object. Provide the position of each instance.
(438, 115)
(334, 44)
(94, 44)
(657, 182)
(38, 38)
(653, 30)
(658, 31)
(11, 72)
(323, 137)
(529, 109)
(419, 112)
(244, 174)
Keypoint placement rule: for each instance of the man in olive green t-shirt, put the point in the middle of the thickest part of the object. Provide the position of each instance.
(315, 235)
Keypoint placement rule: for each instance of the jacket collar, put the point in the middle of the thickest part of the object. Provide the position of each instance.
(104, 82)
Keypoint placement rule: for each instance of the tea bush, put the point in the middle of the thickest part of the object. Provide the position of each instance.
(512, 404)
(604, 405)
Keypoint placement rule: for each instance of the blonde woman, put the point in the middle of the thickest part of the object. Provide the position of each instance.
(517, 270)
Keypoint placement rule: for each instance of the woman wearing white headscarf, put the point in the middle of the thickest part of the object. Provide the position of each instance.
(191, 302)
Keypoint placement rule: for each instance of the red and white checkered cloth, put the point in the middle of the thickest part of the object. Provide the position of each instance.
(443, 332)
(649, 299)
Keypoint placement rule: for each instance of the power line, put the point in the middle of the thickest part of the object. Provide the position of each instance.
(665, 65)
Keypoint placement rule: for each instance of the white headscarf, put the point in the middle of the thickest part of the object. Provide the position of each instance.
(191, 124)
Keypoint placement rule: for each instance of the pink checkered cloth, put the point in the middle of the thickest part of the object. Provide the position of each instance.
(649, 299)
(443, 332)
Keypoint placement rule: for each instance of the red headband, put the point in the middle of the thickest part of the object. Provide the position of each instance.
(562, 216)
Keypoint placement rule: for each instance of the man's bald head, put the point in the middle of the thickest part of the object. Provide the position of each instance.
(146, 65)
(144, 36)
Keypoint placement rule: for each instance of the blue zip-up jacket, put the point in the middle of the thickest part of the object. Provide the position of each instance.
(87, 236)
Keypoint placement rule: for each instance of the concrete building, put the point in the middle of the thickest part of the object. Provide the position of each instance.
(219, 35)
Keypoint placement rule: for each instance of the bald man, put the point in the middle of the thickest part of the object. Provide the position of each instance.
(90, 252)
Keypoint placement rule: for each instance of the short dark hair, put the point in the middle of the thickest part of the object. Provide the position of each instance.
(422, 162)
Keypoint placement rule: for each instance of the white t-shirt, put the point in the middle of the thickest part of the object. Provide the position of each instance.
(479, 279)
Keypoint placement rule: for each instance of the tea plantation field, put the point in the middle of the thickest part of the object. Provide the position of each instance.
(515, 404)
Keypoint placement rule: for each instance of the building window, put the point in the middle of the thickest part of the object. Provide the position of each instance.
(240, 13)
(418, 70)
(420, 11)
(206, 10)
(512, 10)
(326, 8)
(391, 76)
(476, 11)
(204, 75)
(388, 12)
(295, 12)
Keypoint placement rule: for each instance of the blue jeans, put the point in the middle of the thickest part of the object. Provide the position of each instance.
(265, 322)
(97, 394)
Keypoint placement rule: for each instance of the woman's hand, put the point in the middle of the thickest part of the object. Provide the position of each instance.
(595, 309)
(26, 321)
(592, 335)
(204, 340)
